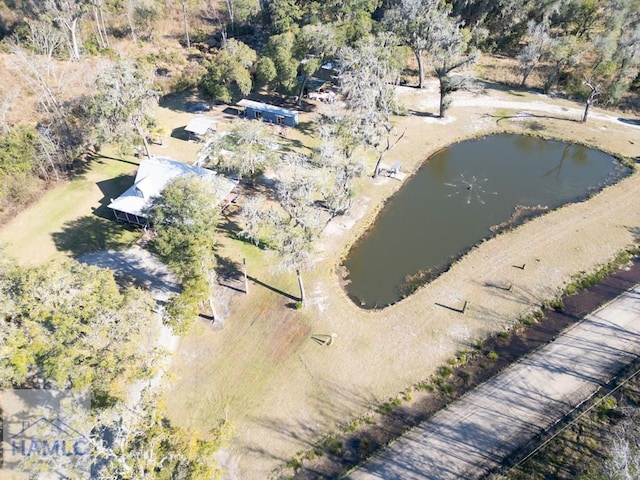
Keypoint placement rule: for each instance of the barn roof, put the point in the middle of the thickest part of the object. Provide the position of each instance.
(154, 174)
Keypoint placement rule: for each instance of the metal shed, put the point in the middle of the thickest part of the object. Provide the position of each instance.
(269, 113)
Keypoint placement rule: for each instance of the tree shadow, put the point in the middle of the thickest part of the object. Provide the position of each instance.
(274, 289)
(525, 115)
(98, 231)
(93, 233)
(229, 274)
(423, 114)
(188, 101)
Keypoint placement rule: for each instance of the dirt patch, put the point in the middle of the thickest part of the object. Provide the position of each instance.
(396, 416)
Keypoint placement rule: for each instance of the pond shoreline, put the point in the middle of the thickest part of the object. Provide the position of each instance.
(426, 226)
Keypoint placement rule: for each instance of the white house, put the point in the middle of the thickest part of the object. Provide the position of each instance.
(152, 176)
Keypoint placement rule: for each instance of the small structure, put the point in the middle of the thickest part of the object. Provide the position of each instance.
(152, 176)
(269, 113)
(198, 127)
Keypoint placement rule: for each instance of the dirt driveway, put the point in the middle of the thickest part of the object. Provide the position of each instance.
(474, 434)
(139, 267)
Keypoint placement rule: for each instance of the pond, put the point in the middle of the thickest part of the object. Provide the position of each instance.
(462, 195)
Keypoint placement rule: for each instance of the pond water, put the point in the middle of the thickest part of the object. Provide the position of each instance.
(462, 195)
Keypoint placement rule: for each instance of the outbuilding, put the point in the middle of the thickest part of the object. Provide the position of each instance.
(198, 127)
(269, 113)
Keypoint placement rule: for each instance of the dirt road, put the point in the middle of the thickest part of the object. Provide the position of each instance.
(478, 431)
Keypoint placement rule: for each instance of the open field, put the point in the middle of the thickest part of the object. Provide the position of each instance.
(284, 391)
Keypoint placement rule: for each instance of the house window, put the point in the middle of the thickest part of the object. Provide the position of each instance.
(280, 120)
(257, 115)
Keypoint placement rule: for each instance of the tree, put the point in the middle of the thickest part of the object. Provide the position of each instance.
(339, 169)
(292, 227)
(67, 14)
(229, 67)
(537, 46)
(184, 218)
(138, 441)
(314, 45)
(594, 91)
(246, 151)
(280, 49)
(122, 105)
(186, 6)
(369, 73)
(411, 21)
(98, 8)
(284, 15)
(448, 49)
(70, 326)
(564, 52)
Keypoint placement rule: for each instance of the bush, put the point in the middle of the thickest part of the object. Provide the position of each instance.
(446, 388)
(492, 355)
(333, 446)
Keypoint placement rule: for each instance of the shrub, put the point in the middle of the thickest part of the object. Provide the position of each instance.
(446, 388)
(492, 355)
(294, 464)
(333, 446)
(445, 371)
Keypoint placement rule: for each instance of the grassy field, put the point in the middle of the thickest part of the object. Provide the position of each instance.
(72, 218)
(284, 391)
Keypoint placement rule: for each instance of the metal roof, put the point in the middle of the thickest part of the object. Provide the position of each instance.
(199, 125)
(265, 107)
(154, 174)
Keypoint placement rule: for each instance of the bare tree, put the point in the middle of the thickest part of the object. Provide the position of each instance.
(538, 43)
(594, 91)
(624, 451)
(98, 7)
(39, 74)
(5, 106)
(369, 74)
(67, 14)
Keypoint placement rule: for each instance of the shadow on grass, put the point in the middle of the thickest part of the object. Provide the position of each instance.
(99, 231)
(92, 233)
(274, 289)
(180, 133)
(500, 118)
(630, 121)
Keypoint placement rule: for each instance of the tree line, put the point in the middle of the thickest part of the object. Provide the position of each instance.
(589, 49)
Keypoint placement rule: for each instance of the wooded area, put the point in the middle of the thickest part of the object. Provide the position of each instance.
(134, 50)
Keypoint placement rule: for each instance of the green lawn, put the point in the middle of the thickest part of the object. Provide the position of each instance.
(72, 219)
